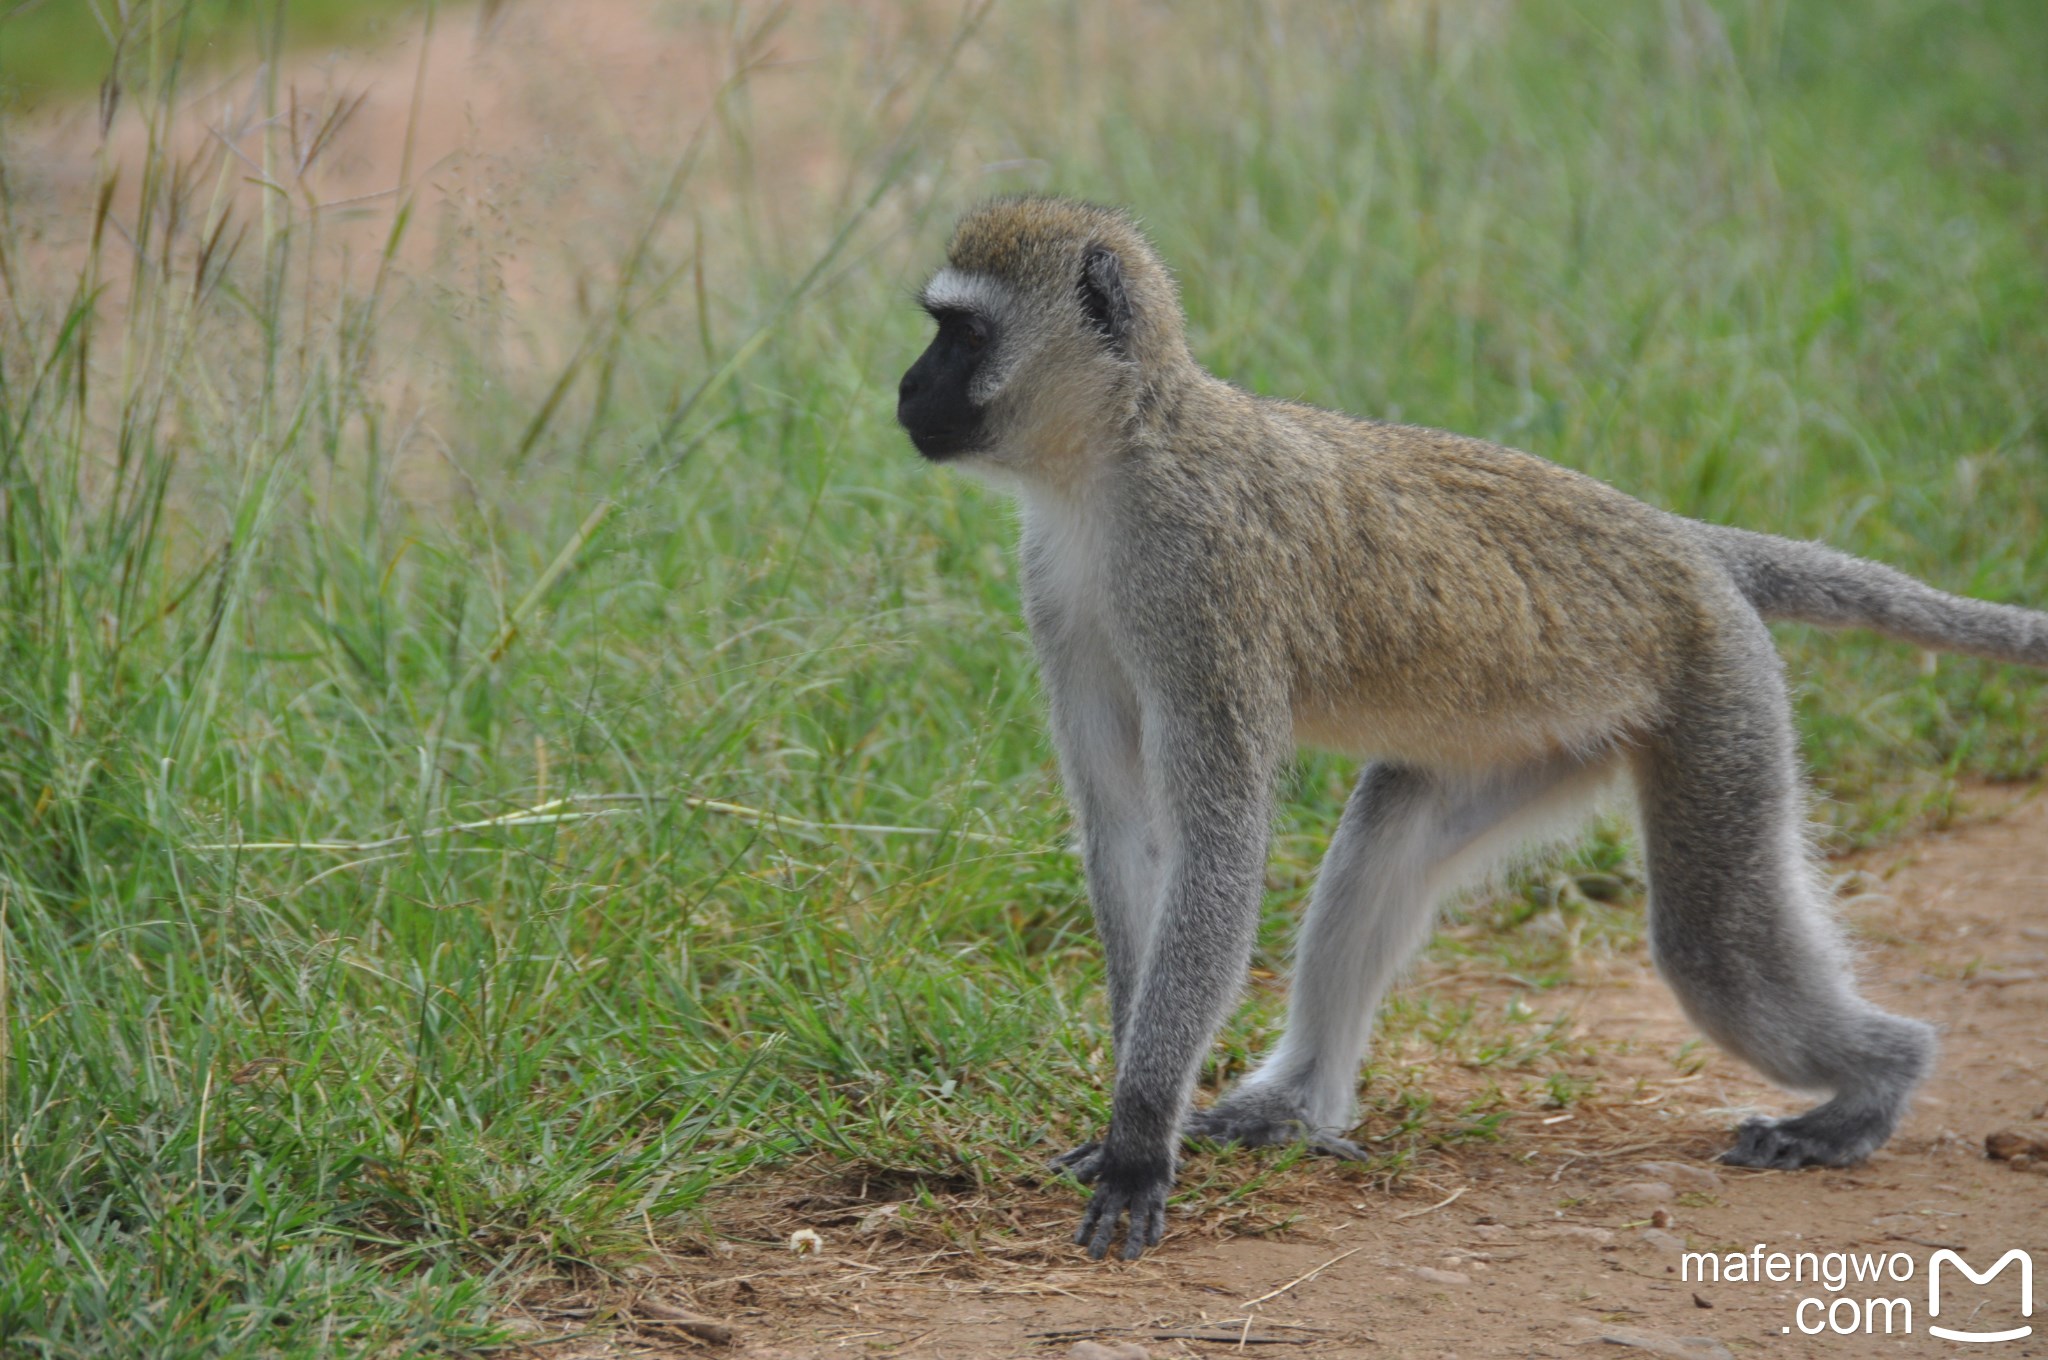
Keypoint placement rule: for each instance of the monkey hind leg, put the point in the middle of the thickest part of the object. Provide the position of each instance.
(1741, 926)
(1407, 838)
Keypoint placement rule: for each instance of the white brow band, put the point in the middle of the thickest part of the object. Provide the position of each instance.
(950, 289)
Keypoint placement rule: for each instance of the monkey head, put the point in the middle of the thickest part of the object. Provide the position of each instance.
(1056, 320)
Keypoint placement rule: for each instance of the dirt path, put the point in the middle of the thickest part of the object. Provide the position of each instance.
(1541, 1244)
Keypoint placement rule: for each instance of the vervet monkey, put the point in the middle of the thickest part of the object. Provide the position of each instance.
(1212, 578)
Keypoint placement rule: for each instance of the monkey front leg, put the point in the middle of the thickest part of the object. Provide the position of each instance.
(1096, 728)
(1097, 734)
(1201, 944)
(1095, 725)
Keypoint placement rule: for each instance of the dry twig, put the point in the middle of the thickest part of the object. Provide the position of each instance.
(1301, 1279)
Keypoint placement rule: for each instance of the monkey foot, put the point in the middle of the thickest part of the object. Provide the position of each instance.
(1786, 1144)
(1253, 1128)
(1136, 1192)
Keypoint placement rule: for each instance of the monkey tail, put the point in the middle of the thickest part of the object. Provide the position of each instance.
(1810, 583)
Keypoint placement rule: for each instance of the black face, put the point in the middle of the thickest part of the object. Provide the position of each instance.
(933, 402)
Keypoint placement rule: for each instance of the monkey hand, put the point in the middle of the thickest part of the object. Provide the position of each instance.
(1137, 1189)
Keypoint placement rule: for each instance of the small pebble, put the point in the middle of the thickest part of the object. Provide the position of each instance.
(1577, 1232)
(1662, 1241)
(879, 1220)
(1099, 1350)
(1431, 1275)
(1643, 1192)
(2007, 1144)
(1657, 1343)
(1686, 1179)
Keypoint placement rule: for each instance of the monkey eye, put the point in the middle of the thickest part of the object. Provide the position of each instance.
(969, 329)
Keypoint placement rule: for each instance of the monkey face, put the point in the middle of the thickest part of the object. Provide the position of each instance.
(935, 402)
(1036, 350)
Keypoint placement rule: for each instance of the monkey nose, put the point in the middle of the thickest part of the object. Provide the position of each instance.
(907, 389)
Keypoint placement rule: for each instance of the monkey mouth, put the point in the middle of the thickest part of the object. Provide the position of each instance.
(943, 445)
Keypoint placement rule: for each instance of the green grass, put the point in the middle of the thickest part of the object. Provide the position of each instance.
(1762, 263)
(50, 49)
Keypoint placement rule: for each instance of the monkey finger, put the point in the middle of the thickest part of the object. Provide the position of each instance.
(1082, 1163)
(1099, 1223)
(1329, 1145)
(1148, 1229)
(1090, 1215)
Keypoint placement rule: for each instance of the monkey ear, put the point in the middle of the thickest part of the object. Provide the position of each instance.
(1103, 297)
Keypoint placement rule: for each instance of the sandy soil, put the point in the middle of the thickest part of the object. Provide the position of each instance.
(1568, 1233)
